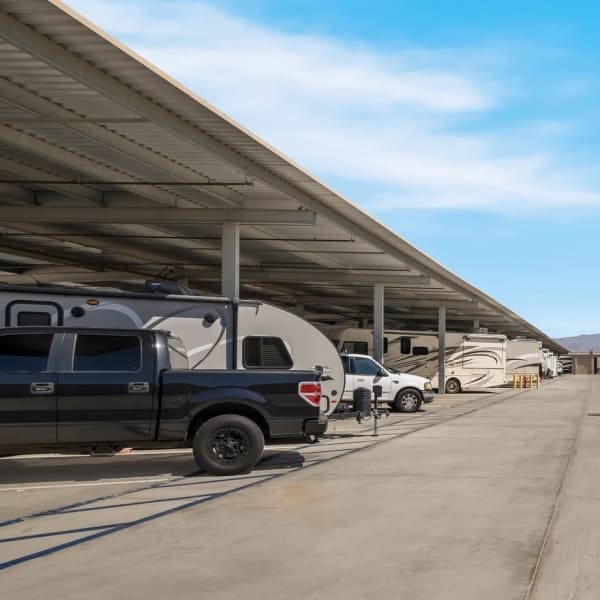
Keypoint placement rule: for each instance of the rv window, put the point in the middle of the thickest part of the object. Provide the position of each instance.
(24, 353)
(355, 348)
(404, 345)
(420, 350)
(385, 345)
(107, 353)
(265, 353)
(36, 319)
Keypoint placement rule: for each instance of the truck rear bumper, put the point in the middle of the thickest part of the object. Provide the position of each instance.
(297, 428)
(316, 426)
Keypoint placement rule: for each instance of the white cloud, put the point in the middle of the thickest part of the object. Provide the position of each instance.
(385, 123)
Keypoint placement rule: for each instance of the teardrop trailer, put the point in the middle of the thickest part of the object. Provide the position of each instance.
(219, 333)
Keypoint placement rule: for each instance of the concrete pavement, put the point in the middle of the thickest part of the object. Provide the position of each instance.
(459, 510)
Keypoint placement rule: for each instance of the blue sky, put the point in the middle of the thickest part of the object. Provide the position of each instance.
(470, 128)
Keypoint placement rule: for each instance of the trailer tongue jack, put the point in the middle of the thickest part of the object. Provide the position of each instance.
(362, 407)
(377, 393)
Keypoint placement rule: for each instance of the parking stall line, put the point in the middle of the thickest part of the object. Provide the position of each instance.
(78, 485)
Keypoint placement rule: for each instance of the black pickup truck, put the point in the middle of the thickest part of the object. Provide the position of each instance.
(97, 390)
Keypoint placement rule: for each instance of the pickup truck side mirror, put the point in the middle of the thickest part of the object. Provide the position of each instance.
(382, 373)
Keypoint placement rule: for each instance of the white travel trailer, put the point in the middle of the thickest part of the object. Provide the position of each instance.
(552, 365)
(549, 363)
(472, 359)
(523, 357)
(266, 337)
(566, 361)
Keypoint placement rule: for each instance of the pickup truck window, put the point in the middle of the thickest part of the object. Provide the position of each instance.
(265, 353)
(365, 366)
(347, 364)
(27, 352)
(107, 353)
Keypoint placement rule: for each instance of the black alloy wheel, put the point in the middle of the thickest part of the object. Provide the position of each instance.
(228, 445)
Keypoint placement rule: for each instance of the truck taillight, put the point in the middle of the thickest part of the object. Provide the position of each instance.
(311, 392)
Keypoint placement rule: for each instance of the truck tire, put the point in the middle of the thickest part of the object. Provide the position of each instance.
(452, 386)
(228, 445)
(408, 400)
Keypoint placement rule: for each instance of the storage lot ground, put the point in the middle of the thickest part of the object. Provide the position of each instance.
(477, 496)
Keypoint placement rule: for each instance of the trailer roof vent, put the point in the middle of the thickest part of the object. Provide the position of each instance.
(170, 288)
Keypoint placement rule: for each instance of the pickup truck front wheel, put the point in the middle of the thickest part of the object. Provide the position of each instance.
(408, 400)
(228, 445)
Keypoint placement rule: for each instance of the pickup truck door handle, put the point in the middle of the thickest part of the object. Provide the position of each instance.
(138, 387)
(42, 387)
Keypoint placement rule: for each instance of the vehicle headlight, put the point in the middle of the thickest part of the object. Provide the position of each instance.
(427, 386)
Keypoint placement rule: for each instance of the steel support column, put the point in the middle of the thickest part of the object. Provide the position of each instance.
(378, 301)
(230, 260)
(442, 350)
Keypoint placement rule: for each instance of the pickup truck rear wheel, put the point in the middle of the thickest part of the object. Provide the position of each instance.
(408, 400)
(228, 445)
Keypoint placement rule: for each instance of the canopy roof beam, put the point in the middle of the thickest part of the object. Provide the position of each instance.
(157, 216)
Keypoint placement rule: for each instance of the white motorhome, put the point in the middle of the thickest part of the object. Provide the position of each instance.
(266, 337)
(472, 359)
(523, 357)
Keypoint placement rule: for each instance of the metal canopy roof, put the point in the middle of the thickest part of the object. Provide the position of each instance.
(111, 172)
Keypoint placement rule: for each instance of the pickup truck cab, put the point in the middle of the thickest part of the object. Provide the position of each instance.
(402, 391)
(101, 389)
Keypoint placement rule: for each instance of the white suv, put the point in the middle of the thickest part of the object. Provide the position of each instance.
(402, 391)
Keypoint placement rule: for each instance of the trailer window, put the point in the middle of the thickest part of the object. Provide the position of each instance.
(420, 350)
(35, 319)
(355, 348)
(107, 353)
(24, 353)
(265, 353)
(386, 345)
(405, 345)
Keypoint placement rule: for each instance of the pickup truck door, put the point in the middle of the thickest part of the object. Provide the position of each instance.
(366, 375)
(27, 389)
(106, 388)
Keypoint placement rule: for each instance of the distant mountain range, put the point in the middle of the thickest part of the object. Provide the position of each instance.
(581, 343)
